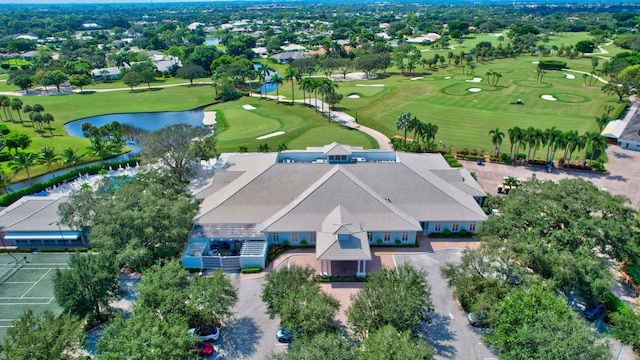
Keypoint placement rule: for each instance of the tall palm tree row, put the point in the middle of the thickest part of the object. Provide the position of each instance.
(496, 140)
(568, 142)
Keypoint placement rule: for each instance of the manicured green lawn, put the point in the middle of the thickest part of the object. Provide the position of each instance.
(464, 118)
(302, 126)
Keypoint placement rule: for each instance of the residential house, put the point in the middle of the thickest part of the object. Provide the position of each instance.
(110, 73)
(339, 198)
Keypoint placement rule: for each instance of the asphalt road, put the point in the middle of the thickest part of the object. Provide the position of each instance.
(250, 334)
(449, 332)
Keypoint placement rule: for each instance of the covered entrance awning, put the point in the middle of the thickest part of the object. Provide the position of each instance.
(342, 239)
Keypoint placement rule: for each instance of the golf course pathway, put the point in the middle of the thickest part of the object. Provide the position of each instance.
(338, 116)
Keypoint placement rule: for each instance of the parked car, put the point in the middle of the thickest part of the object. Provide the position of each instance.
(205, 349)
(593, 311)
(477, 319)
(205, 333)
(284, 335)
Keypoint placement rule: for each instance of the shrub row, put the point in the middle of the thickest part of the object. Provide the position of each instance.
(251, 270)
(10, 198)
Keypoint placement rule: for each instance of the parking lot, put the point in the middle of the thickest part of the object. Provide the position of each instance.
(449, 332)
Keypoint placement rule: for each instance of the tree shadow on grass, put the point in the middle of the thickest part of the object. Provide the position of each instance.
(440, 337)
(87, 92)
(240, 339)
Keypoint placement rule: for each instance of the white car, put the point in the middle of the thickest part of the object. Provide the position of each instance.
(205, 333)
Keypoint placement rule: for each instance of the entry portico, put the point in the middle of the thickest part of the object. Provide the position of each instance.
(342, 239)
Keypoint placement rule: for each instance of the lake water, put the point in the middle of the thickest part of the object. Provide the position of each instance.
(268, 87)
(150, 121)
(212, 41)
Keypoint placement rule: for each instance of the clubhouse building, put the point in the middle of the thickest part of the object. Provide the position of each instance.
(339, 199)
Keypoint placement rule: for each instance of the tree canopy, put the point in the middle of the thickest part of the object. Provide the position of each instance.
(178, 147)
(400, 297)
(552, 238)
(140, 219)
(43, 336)
(96, 275)
(294, 295)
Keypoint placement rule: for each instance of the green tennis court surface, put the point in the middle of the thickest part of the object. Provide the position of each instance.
(26, 282)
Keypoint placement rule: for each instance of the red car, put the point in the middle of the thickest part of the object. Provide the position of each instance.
(205, 349)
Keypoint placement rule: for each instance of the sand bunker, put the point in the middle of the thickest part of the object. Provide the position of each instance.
(270, 135)
(475, 80)
(248, 107)
(209, 118)
(417, 78)
(369, 84)
(548, 97)
(447, 77)
(535, 62)
(354, 96)
(475, 90)
(570, 76)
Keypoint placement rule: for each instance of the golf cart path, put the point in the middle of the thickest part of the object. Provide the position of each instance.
(338, 116)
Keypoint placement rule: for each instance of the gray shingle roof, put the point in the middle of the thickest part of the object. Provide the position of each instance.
(356, 247)
(33, 213)
(384, 196)
(631, 132)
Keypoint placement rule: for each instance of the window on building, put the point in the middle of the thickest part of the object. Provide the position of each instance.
(294, 237)
(437, 227)
(343, 157)
(312, 237)
(405, 236)
(387, 236)
(455, 226)
(472, 226)
(276, 237)
(369, 236)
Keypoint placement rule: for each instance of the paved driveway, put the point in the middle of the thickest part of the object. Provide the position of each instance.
(449, 333)
(250, 334)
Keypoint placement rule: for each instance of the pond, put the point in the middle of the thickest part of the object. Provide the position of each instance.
(148, 122)
(268, 87)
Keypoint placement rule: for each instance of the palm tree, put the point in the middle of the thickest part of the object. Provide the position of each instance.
(329, 89)
(315, 87)
(48, 118)
(589, 139)
(72, 157)
(36, 120)
(598, 143)
(572, 138)
(602, 121)
(5, 102)
(48, 156)
(497, 77)
(402, 123)
(430, 132)
(496, 140)
(263, 72)
(5, 181)
(541, 141)
(23, 161)
(290, 75)
(277, 81)
(551, 136)
(16, 105)
(515, 137)
(531, 138)
(415, 126)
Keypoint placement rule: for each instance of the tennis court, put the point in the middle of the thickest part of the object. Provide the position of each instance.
(26, 282)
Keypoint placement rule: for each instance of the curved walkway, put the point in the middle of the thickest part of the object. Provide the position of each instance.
(384, 143)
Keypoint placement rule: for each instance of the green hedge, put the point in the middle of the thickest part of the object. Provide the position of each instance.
(251, 270)
(552, 64)
(613, 304)
(10, 198)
